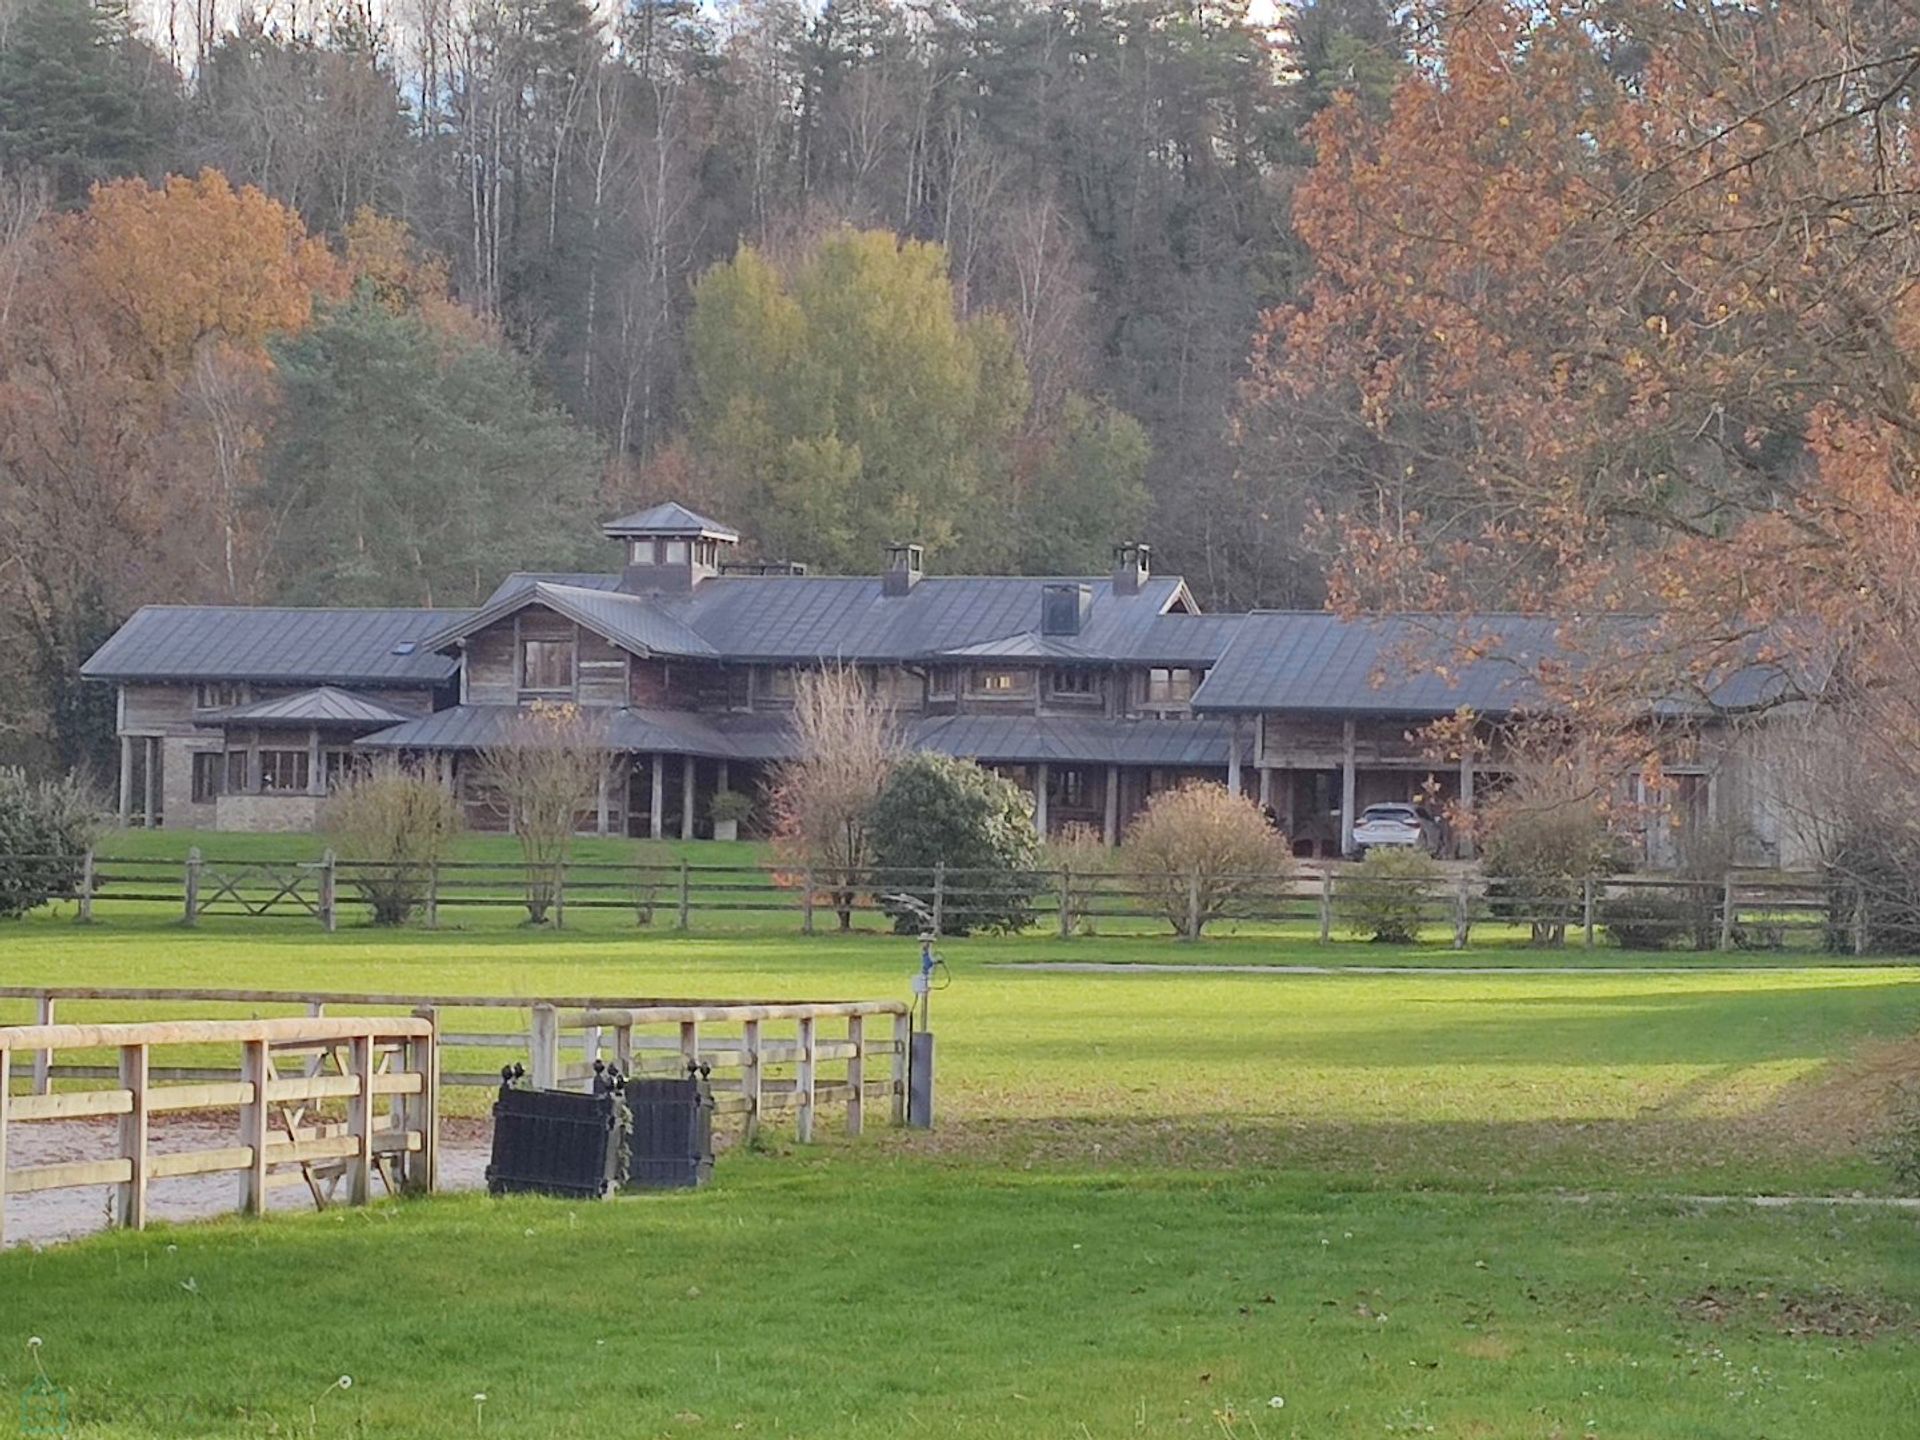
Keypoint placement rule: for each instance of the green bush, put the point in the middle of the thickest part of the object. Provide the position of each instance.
(45, 829)
(734, 805)
(936, 810)
(1383, 897)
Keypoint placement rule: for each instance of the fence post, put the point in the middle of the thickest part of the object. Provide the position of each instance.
(192, 887)
(328, 891)
(6, 1096)
(902, 1046)
(806, 901)
(1193, 905)
(686, 899)
(750, 1077)
(856, 1073)
(1462, 916)
(803, 1084)
(560, 894)
(543, 1046)
(1726, 912)
(433, 894)
(1588, 898)
(421, 1167)
(1326, 906)
(1859, 919)
(253, 1129)
(43, 1059)
(939, 896)
(86, 887)
(130, 1197)
(360, 1122)
(1066, 901)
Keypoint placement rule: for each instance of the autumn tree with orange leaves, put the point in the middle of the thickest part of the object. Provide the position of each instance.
(1615, 309)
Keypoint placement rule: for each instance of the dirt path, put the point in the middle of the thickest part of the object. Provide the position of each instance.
(50, 1216)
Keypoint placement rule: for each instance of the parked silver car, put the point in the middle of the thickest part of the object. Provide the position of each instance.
(1399, 826)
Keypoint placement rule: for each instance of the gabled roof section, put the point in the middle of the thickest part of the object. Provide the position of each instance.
(1430, 665)
(633, 622)
(479, 727)
(805, 619)
(520, 579)
(670, 518)
(276, 644)
(323, 706)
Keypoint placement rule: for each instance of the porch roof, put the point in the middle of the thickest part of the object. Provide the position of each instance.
(324, 707)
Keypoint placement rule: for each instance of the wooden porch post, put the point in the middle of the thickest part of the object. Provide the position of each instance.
(1040, 800)
(1110, 828)
(1345, 840)
(151, 779)
(600, 800)
(126, 779)
(687, 776)
(657, 814)
(1465, 847)
(316, 782)
(1233, 756)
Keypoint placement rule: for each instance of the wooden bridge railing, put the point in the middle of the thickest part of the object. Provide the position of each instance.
(372, 1059)
(767, 1054)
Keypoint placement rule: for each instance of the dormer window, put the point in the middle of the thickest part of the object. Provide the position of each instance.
(676, 552)
(640, 552)
(1169, 686)
(546, 666)
(219, 695)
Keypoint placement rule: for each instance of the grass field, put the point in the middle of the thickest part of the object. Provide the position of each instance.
(1418, 1204)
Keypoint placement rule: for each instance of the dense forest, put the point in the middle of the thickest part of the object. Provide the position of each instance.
(846, 273)
(1580, 306)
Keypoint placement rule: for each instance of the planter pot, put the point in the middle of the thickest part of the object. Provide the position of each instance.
(726, 829)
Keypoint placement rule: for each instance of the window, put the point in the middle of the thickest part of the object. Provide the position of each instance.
(1169, 687)
(640, 552)
(219, 695)
(676, 552)
(739, 688)
(207, 766)
(546, 665)
(283, 771)
(778, 681)
(1074, 684)
(1070, 787)
(940, 683)
(1000, 684)
(238, 781)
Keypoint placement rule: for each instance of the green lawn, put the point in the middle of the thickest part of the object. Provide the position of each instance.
(1154, 1203)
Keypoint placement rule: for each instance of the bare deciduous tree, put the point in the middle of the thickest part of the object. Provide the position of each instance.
(545, 769)
(846, 744)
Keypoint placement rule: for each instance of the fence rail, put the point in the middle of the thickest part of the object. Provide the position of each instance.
(283, 1135)
(1741, 909)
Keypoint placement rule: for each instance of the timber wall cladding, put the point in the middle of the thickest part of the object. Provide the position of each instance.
(491, 678)
(602, 671)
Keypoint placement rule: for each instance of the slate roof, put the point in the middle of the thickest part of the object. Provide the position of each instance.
(670, 518)
(1426, 665)
(1009, 738)
(234, 642)
(324, 706)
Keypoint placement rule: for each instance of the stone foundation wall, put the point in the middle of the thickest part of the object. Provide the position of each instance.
(282, 814)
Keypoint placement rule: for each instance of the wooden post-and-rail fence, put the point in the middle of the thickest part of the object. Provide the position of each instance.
(287, 1068)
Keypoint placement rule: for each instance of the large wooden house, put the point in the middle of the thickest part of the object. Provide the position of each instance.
(1094, 691)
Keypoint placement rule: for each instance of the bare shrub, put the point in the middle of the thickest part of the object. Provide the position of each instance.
(400, 824)
(1080, 857)
(846, 745)
(1550, 829)
(1204, 854)
(546, 770)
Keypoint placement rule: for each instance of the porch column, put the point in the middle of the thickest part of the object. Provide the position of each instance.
(657, 808)
(686, 797)
(1110, 828)
(1345, 841)
(1233, 756)
(1040, 801)
(600, 799)
(1266, 787)
(316, 781)
(1465, 847)
(720, 778)
(126, 779)
(153, 764)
